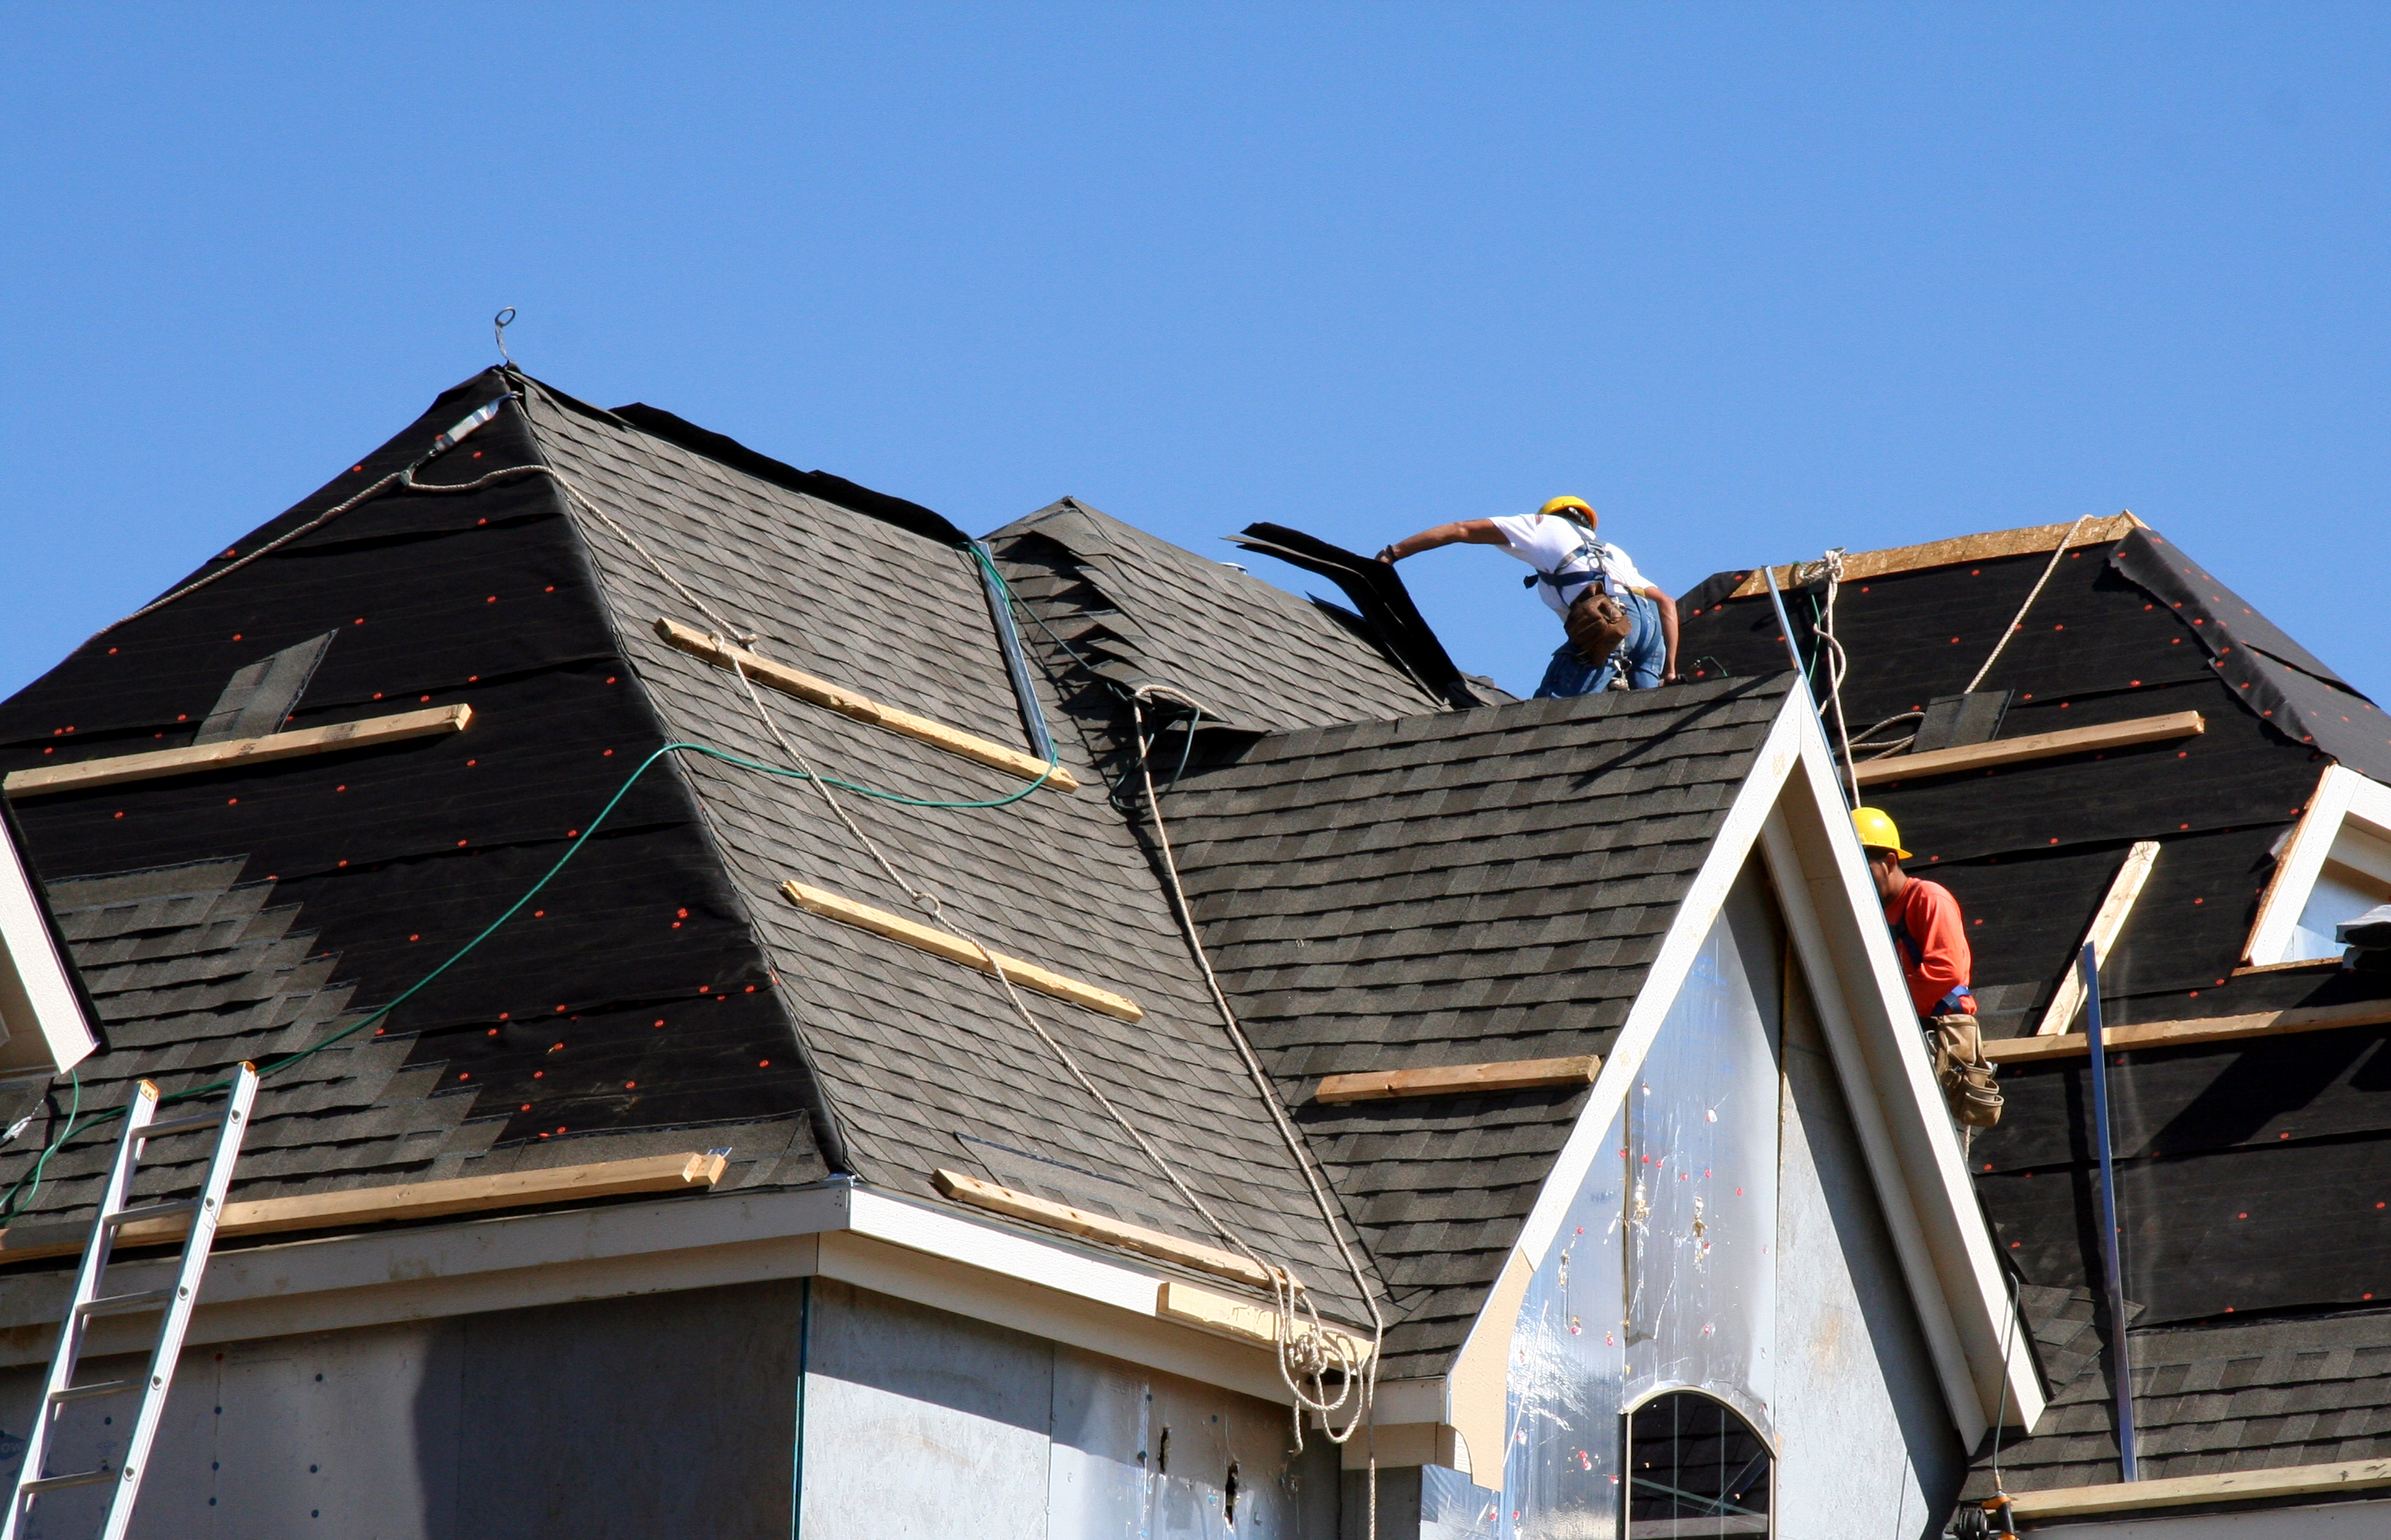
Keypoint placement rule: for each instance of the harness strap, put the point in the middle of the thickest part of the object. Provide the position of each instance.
(1592, 551)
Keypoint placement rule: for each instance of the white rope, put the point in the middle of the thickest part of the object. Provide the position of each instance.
(1307, 1353)
(1253, 1062)
(1830, 566)
(2019, 622)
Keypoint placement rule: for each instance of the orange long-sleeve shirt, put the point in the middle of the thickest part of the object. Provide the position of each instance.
(1933, 940)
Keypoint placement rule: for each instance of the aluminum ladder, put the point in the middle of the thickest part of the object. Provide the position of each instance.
(176, 1298)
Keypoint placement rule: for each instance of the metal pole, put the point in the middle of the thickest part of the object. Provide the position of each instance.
(2121, 1354)
(1785, 625)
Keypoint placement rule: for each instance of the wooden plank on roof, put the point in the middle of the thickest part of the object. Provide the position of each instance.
(1096, 1226)
(234, 752)
(1513, 1074)
(954, 948)
(2185, 1034)
(324, 1211)
(1257, 1325)
(2106, 923)
(2222, 1486)
(1962, 548)
(2016, 751)
(830, 697)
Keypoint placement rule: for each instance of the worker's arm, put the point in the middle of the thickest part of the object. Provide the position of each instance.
(1474, 532)
(1668, 628)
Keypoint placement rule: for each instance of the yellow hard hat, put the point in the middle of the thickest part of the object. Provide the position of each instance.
(1556, 504)
(1876, 830)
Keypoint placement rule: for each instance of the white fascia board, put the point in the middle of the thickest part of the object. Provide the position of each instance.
(2343, 798)
(1947, 1254)
(874, 1240)
(42, 1015)
(1948, 1259)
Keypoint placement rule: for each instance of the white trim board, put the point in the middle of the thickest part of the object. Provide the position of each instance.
(1052, 1289)
(1790, 811)
(2344, 800)
(42, 1025)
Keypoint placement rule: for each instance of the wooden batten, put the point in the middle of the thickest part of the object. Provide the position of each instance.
(232, 754)
(1257, 1325)
(1095, 1226)
(2186, 1034)
(2323, 1483)
(2016, 751)
(1452, 1079)
(1966, 547)
(2106, 924)
(846, 702)
(954, 948)
(327, 1211)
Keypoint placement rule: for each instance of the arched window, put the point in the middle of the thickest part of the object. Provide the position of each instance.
(1695, 1470)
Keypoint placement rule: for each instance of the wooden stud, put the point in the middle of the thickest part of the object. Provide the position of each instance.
(385, 1205)
(2184, 1034)
(1095, 1226)
(804, 686)
(1515, 1074)
(2106, 923)
(954, 948)
(2322, 1481)
(234, 752)
(1963, 548)
(2014, 750)
(1245, 1321)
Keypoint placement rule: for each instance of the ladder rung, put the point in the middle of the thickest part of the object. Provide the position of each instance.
(84, 1392)
(191, 1124)
(54, 1483)
(153, 1211)
(113, 1304)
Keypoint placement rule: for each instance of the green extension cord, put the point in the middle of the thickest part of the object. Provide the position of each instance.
(18, 1195)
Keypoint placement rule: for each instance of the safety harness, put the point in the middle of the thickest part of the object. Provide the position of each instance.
(1561, 580)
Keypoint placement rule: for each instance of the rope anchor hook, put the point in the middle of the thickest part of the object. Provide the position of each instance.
(498, 325)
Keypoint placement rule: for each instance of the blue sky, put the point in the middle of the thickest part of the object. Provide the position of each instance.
(1755, 280)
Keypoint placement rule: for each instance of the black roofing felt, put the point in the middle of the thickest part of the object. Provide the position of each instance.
(1489, 884)
(2248, 1172)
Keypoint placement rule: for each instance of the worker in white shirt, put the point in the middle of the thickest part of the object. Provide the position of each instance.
(1618, 623)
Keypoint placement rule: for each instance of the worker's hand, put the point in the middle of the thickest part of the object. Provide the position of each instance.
(1388, 555)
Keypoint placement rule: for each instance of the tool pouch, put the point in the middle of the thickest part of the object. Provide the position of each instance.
(1597, 623)
(1960, 1067)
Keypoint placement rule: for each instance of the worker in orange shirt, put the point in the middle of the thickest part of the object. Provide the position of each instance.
(1933, 940)
(1927, 928)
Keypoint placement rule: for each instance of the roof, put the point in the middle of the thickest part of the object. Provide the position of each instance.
(660, 993)
(2248, 1171)
(2218, 1396)
(1134, 608)
(1475, 886)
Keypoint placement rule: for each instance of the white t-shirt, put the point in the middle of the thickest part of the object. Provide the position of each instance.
(1546, 542)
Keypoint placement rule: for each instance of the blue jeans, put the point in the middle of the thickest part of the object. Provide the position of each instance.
(1643, 654)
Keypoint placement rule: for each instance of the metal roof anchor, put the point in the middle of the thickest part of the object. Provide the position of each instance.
(498, 325)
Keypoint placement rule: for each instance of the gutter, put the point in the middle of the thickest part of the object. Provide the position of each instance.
(986, 1270)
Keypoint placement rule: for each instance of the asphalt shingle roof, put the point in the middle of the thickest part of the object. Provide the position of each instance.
(1382, 881)
(1468, 887)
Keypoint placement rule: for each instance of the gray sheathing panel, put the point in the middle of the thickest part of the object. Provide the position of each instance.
(2231, 1396)
(915, 1053)
(660, 1415)
(1456, 889)
(1252, 654)
(1859, 1409)
(921, 1422)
